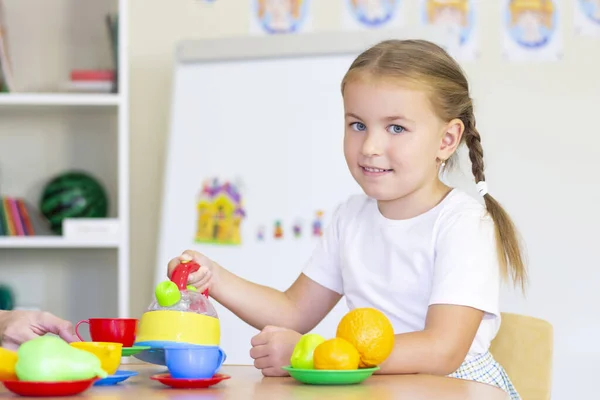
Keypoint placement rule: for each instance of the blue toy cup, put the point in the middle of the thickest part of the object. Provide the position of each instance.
(194, 362)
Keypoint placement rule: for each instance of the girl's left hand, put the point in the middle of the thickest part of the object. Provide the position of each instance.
(272, 349)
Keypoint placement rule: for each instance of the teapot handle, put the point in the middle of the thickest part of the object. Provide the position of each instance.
(182, 272)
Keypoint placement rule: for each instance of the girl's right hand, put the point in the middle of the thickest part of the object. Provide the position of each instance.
(202, 279)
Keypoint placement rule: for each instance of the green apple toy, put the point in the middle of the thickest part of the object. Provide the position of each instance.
(302, 356)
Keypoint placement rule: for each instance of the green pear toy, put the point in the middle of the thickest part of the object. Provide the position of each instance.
(51, 359)
(302, 356)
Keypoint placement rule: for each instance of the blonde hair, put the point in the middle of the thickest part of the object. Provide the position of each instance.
(461, 5)
(296, 8)
(544, 7)
(429, 66)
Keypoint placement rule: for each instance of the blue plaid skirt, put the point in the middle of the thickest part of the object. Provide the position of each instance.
(485, 369)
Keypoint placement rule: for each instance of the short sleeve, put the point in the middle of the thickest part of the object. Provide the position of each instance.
(466, 270)
(323, 266)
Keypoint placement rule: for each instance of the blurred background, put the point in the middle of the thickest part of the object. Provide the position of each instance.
(85, 121)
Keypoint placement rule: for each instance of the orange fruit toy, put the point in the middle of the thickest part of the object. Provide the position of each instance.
(370, 332)
(336, 354)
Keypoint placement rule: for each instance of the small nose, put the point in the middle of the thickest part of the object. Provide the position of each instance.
(373, 145)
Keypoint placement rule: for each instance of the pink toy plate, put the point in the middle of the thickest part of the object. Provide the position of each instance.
(166, 379)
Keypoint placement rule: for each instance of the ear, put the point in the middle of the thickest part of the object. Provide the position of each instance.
(453, 132)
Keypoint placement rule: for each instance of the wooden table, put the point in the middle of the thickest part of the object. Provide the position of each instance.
(248, 383)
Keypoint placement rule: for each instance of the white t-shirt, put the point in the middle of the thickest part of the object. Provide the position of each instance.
(446, 255)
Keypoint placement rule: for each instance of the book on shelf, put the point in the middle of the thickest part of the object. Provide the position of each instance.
(19, 218)
(15, 218)
(112, 24)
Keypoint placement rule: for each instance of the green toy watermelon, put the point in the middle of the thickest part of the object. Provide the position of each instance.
(7, 298)
(73, 195)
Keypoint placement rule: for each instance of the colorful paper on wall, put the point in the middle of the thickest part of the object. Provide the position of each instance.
(587, 17)
(317, 225)
(220, 211)
(532, 30)
(278, 230)
(458, 18)
(372, 14)
(260, 234)
(272, 17)
(297, 229)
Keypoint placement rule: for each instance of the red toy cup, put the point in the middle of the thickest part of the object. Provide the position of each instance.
(115, 330)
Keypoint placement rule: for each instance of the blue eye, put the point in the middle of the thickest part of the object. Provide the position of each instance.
(358, 126)
(396, 129)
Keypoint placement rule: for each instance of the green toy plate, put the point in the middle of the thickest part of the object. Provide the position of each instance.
(330, 377)
(129, 351)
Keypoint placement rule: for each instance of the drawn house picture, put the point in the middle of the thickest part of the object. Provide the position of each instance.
(220, 213)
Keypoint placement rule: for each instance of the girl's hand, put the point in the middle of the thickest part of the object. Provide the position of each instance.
(272, 349)
(17, 327)
(205, 277)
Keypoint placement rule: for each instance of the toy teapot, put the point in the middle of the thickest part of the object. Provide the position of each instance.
(177, 295)
(179, 314)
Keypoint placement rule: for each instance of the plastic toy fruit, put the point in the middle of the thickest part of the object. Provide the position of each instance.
(370, 332)
(8, 360)
(302, 357)
(51, 359)
(336, 354)
(167, 294)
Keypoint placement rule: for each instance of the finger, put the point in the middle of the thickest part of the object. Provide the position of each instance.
(186, 256)
(263, 362)
(259, 351)
(67, 333)
(13, 339)
(261, 339)
(50, 323)
(171, 266)
(199, 258)
(202, 276)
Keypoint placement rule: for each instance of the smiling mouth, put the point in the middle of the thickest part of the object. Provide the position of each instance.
(372, 170)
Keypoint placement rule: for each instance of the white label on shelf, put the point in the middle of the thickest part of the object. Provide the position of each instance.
(91, 228)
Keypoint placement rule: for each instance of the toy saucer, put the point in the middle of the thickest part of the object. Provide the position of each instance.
(117, 377)
(48, 389)
(177, 383)
(130, 351)
(330, 377)
(154, 351)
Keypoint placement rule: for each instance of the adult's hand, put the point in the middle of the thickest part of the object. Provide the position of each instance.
(17, 327)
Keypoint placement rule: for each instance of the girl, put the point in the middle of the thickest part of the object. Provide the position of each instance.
(429, 256)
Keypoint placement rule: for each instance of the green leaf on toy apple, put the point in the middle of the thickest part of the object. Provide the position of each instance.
(302, 356)
(167, 294)
(192, 288)
(51, 359)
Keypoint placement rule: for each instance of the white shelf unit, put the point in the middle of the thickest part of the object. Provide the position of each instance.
(44, 133)
(59, 99)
